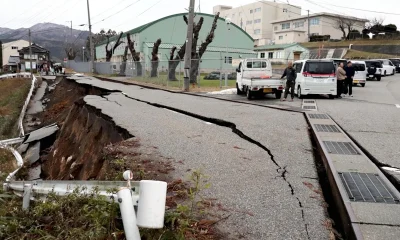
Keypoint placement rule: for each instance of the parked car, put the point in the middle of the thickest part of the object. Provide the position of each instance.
(315, 76)
(218, 75)
(374, 69)
(396, 62)
(388, 67)
(360, 76)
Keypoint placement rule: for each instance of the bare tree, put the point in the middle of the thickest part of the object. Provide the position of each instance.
(110, 52)
(154, 58)
(135, 55)
(71, 50)
(195, 55)
(341, 25)
(124, 59)
(349, 23)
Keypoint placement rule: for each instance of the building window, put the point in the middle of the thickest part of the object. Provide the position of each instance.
(262, 55)
(251, 11)
(249, 22)
(257, 31)
(228, 60)
(271, 55)
(276, 28)
(314, 21)
(257, 20)
(298, 24)
(285, 10)
(280, 37)
(257, 10)
(14, 47)
(285, 26)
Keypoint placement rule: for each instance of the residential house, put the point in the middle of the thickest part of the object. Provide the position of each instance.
(282, 53)
(11, 49)
(295, 29)
(38, 57)
(13, 64)
(256, 18)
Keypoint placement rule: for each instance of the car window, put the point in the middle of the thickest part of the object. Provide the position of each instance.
(390, 63)
(374, 64)
(298, 67)
(257, 64)
(359, 67)
(319, 67)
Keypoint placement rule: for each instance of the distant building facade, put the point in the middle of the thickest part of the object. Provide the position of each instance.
(256, 18)
(282, 53)
(39, 57)
(10, 49)
(295, 29)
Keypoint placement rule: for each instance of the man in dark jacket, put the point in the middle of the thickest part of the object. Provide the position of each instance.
(291, 75)
(349, 78)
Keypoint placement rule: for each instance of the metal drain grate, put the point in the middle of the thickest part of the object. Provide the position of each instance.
(344, 148)
(308, 107)
(318, 116)
(367, 187)
(309, 101)
(326, 128)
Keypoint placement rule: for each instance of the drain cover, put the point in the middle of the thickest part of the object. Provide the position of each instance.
(318, 116)
(326, 128)
(309, 101)
(308, 107)
(367, 187)
(344, 148)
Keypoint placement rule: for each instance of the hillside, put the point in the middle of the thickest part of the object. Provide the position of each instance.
(347, 43)
(48, 35)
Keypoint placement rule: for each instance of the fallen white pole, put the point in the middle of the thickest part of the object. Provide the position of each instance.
(128, 214)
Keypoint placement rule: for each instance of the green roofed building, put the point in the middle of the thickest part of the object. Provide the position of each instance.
(230, 40)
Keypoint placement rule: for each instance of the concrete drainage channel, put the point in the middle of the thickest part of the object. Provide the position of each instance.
(367, 202)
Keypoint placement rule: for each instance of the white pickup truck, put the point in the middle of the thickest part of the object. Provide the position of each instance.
(254, 77)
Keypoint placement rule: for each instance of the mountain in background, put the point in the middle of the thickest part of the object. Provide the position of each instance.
(53, 37)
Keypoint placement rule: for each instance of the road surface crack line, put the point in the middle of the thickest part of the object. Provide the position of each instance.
(238, 132)
(104, 96)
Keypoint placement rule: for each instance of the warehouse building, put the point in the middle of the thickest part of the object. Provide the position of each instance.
(230, 41)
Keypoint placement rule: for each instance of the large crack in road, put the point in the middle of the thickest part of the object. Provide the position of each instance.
(279, 169)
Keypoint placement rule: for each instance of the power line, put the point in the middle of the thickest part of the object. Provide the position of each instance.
(108, 9)
(21, 13)
(116, 12)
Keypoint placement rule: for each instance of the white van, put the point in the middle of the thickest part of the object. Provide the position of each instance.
(388, 67)
(360, 76)
(315, 76)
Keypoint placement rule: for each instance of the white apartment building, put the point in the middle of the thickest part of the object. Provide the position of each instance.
(256, 18)
(295, 30)
(11, 49)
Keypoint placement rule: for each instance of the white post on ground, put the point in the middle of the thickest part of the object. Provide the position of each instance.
(151, 206)
(128, 214)
(27, 196)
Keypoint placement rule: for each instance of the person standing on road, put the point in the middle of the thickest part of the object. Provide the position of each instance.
(349, 77)
(341, 77)
(291, 75)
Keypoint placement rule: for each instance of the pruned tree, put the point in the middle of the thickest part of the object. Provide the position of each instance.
(71, 50)
(341, 25)
(349, 23)
(124, 59)
(135, 55)
(195, 55)
(98, 38)
(154, 58)
(110, 52)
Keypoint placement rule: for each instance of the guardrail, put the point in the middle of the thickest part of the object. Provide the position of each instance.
(18, 157)
(148, 196)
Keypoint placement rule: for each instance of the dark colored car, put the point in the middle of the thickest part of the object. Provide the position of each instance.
(374, 69)
(217, 75)
(396, 62)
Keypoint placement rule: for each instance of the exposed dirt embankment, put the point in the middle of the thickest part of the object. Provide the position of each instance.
(78, 151)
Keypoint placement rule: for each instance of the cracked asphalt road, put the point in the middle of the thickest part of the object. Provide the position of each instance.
(265, 177)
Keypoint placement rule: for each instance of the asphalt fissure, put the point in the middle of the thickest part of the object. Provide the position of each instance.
(279, 169)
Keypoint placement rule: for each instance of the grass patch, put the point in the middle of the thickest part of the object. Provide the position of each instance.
(348, 42)
(12, 98)
(354, 54)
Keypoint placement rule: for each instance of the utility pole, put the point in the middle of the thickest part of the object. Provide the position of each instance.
(308, 22)
(188, 52)
(71, 29)
(30, 54)
(90, 37)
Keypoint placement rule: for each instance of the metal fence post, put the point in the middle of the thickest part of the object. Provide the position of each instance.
(128, 214)
(27, 196)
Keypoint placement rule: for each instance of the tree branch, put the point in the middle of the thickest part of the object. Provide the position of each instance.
(185, 19)
(196, 31)
(131, 45)
(154, 53)
(172, 53)
(125, 57)
(119, 42)
(209, 38)
(181, 52)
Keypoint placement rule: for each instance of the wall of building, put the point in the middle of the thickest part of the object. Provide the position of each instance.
(283, 55)
(329, 24)
(256, 18)
(11, 49)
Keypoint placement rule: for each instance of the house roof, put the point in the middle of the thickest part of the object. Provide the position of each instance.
(320, 14)
(35, 48)
(147, 25)
(209, 48)
(276, 46)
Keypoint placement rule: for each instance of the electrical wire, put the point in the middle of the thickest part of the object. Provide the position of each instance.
(116, 12)
(21, 13)
(108, 9)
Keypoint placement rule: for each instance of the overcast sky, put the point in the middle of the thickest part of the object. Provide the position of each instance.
(25, 13)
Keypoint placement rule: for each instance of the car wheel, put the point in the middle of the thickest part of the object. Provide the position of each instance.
(385, 73)
(331, 96)
(362, 84)
(248, 93)
(299, 93)
(378, 78)
(278, 94)
(239, 92)
(393, 72)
